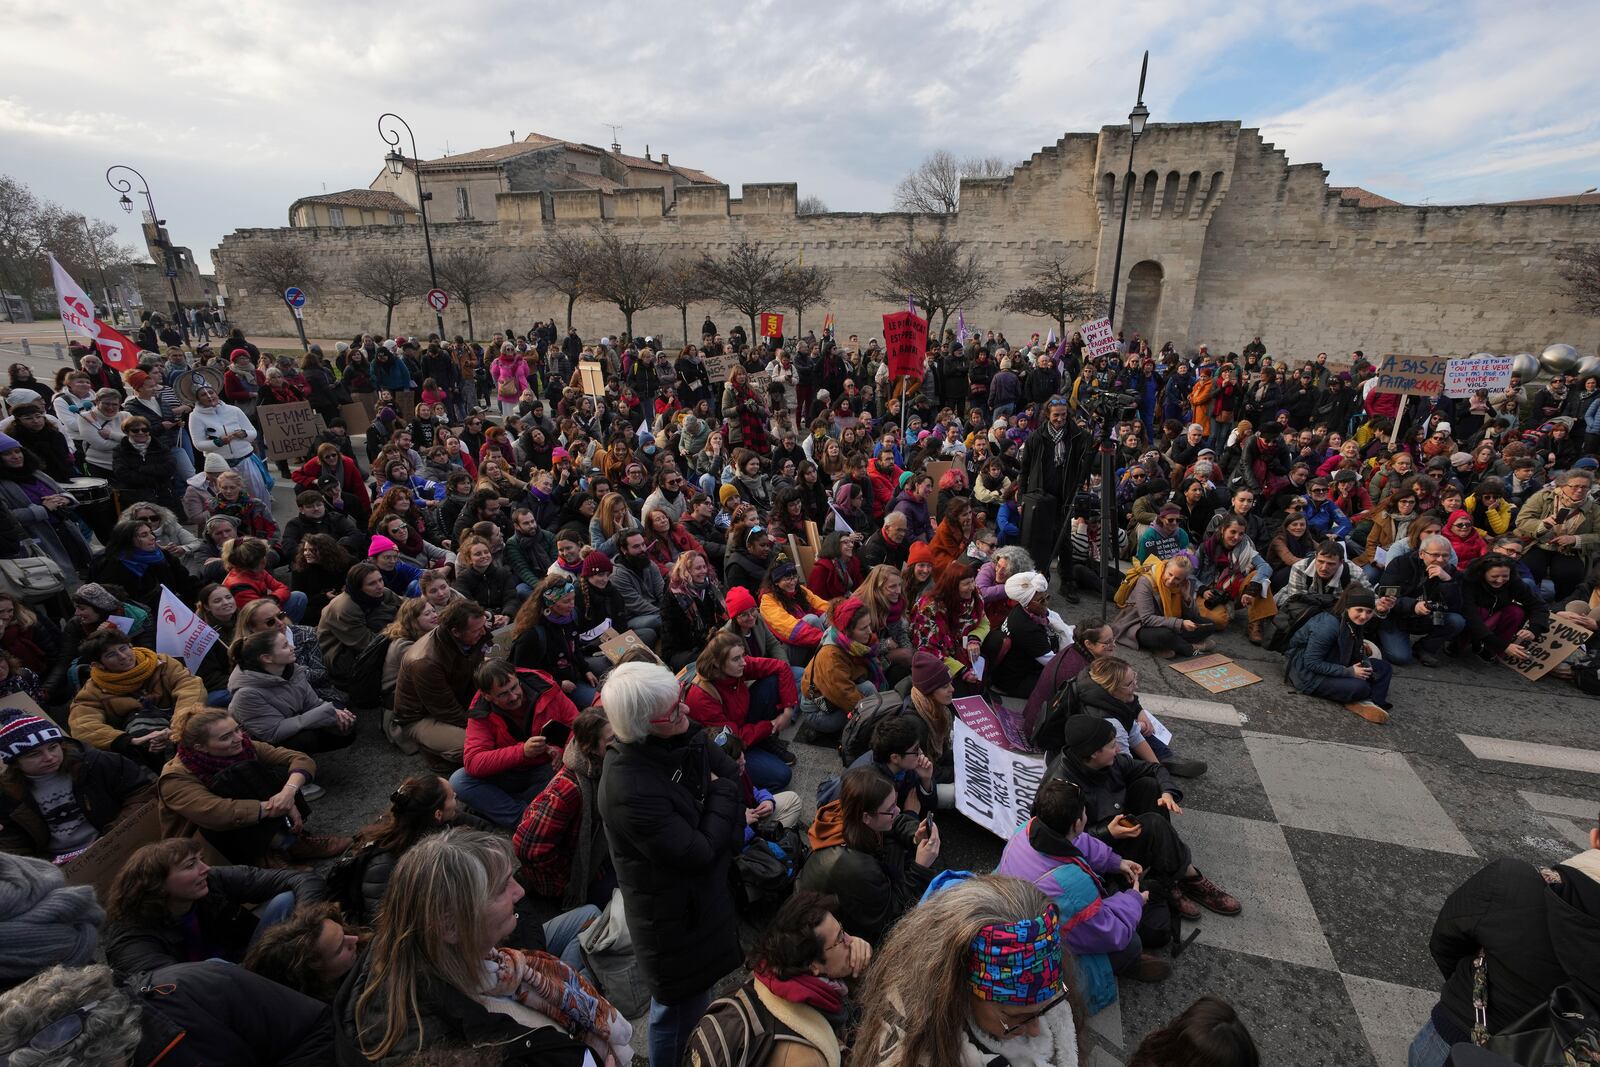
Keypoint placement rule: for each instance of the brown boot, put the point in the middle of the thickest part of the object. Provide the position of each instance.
(1183, 905)
(315, 847)
(1369, 711)
(1253, 631)
(1209, 895)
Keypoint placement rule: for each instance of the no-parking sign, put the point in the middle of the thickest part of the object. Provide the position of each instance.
(438, 299)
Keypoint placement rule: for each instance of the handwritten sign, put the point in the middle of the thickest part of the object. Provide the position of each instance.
(1463, 377)
(1551, 650)
(994, 785)
(1098, 338)
(1215, 673)
(719, 367)
(905, 342)
(287, 430)
(1411, 375)
(619, 645)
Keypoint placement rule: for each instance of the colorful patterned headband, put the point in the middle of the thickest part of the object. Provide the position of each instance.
(556, 592)
(1020, 962)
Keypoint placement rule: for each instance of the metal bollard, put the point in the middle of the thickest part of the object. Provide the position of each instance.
(61, 352)
(27, 349)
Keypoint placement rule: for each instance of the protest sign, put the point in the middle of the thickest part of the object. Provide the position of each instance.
(719, 367)
(592, 376)
(1463, 377)
(180, 633)
(1550, 650)
(994, 785)
(905, 342)
(369, 401)
(1411, 375)
(1215, 673)
(357, 417)
(936, 469)
(287, 430)
(771, 324)
(1098, 338)
(616, 646)
(98, 864)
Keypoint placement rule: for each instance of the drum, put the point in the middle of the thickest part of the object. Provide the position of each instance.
(87, 491)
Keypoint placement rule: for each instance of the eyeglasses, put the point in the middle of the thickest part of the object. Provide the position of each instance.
(58, 1034)
(278, 618)
(138, 429)
(1007, 1029)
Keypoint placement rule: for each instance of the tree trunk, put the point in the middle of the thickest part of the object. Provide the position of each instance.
(1063, 334)
(571, 300)
(388, 322)
(799, 322)
(685, 310)
(627, 325)
(753, 338)
(468, 305)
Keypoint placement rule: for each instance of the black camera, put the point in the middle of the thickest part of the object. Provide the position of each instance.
(1437, 610)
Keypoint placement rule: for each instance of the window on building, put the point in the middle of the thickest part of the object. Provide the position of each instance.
(463, 205)
(396, 219)
(335, 216)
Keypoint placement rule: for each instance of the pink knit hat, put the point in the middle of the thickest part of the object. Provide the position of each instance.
(381, 544)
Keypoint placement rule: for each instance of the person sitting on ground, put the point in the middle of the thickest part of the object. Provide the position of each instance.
(1166, 537)
(1130, 804)
(1504, 614)
(693, 610)
(795, 615)
(1315, 583)
(1161, 614)
(1056, 854)
(1563, 524)
(354, 620)
(755, 697)
(1208, 1032)
(243, 797)
(760, 805)
(135, 562)
(506, 758)
(1229, 570)
(1091, 639)
(317, 571)
(548, 634)
(844, 670)
(310, 952)
(400, 577)
(1534, 929)
(429, 979)
(889, 544)
(167, 905)
(837, 570)
(423, 804)
(481, 579)
(1034, 632)
(1331, 656)
(1110, 689)
(1427, 605)
(246, 561)
(639, 583)
(975, 974)
(798, 972)
(57, 796)
(131, 698)
(1464, 537)
(435, 684)
(274, 701)
(950, 622)
(875, 857)
(560, 838)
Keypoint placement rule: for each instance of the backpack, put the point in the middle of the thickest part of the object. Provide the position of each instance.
(343, 882)
(765, 871)
(1131, 578)
(856, 737)
(736, 1031)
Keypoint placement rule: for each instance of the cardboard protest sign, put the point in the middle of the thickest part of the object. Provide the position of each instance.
(619, 645)
(592, 376)
(1215, 673)
(369, 401)
(719, 367)
(994, 785)
(405, 402)
(935, 469)
(905, 343)
(1551, 650)
(180, 633)
(287, 430)
(804, 555)
(357, 417)
(1463, 377)
(98, 864)
(1411, 375)
(1098, 338)
(24, 702)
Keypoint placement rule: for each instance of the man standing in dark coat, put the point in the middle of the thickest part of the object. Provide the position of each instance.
(1056, 460)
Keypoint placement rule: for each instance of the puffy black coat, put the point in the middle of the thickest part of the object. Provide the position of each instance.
(225, 924)
(494, 590)
(104, 783)
(1104, 792)
(199, 1014)
(1535, 939)
(673, 833)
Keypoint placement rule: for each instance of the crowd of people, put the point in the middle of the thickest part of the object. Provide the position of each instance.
(600, 619)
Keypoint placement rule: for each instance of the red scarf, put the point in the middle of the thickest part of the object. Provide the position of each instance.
(824, 994)
(206, 767)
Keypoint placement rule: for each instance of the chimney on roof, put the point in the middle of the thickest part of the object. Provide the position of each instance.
(665, 160)
(511, 135)
(646, 151)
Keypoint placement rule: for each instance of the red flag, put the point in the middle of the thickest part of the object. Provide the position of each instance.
(116, 350)
(771, 324)
(905, 340)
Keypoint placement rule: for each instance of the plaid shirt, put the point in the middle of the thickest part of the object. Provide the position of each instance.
(546, 838)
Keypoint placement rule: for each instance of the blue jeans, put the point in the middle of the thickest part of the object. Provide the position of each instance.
(272, 912)
(583, 694)
(766, 769)
(295, 608)
(825, 718)
(1395, 640)
(646, 626)
(1352, 689)
(218, 698)
(671, 1025)
(561, 936)
(1219, 436)
(1428, 1049)
(501, 799)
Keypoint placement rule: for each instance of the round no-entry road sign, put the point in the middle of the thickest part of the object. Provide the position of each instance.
(438, 299)
(295, 298)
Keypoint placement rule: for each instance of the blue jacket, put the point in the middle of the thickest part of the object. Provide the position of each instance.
(393, 375)
(1008, 523)
(1323, 648)
(1591, 418)
(1326, 518)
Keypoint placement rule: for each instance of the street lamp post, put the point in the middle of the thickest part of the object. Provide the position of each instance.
(397, 167)
(123, 186)
(100, 268)
(1136, 120)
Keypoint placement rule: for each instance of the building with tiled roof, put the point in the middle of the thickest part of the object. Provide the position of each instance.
(353, 207)
(1364, 197)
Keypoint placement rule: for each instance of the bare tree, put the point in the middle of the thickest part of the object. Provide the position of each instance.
(387, 278)
(939, 275)
(276, 264)
(626, 273)
(32, 228)
(935, 186)
(1580, 277)
(1059, 291)
(811, 205)
(562, 265)
(679, 287)
(470, 275)
(805, 287)
(747, 278)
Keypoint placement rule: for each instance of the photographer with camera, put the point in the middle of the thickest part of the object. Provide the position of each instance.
(1427, 604)
(1056, 460)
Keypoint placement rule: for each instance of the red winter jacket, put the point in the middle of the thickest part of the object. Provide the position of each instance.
(494, 742)
(731, 706)
(255, 585)
(354, 486)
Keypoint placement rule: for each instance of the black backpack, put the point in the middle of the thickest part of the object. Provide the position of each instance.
(856, 737)
(343, 882)
(764, 873)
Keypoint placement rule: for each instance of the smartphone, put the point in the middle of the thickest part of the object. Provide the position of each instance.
(927, 818)
(1563, 514)
(556, 733)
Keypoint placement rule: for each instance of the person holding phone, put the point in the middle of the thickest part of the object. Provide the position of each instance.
(1564, 526)
(507, 757)
(1331, 656)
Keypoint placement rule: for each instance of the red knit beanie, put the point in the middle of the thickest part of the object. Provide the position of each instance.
(738, 600)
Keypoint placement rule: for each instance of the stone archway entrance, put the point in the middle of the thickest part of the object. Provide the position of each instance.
(1141, 312)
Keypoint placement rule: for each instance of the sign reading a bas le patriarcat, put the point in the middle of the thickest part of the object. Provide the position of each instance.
(1412, 375)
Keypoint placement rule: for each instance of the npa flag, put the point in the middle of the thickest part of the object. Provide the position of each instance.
(771, 324)
(905, 340)
(77, 315)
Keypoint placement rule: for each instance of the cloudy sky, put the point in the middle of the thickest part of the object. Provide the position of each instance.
(232, 111)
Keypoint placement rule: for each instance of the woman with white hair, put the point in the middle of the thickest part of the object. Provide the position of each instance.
(992, 575)
(1030, 636)
(674, 819)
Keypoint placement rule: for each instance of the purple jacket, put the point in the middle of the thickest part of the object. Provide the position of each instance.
(1103, 924)
(992, 591)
